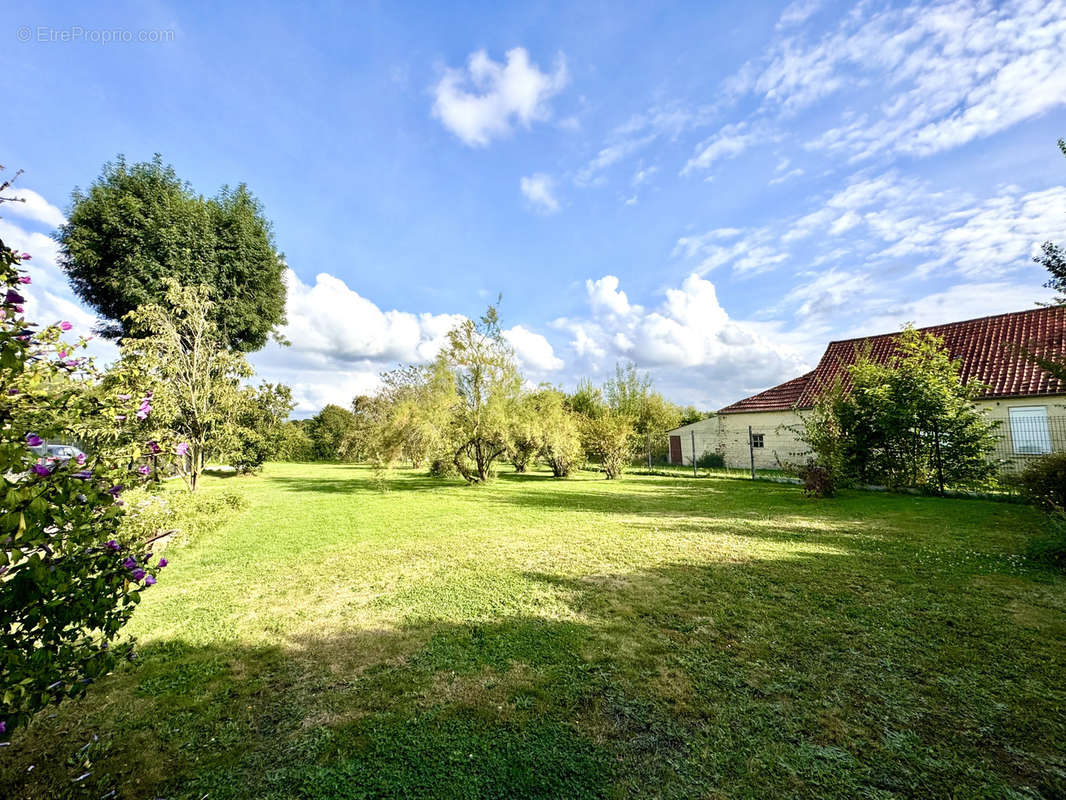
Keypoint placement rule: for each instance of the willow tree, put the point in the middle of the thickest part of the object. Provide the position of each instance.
(487, 387)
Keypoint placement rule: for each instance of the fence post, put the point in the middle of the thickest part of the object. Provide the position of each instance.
(751, 452)
(693, 434)
(649, 451)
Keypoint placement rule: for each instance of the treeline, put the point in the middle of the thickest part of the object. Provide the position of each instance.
(471, 409)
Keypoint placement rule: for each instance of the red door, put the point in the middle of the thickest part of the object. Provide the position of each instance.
(675, 449)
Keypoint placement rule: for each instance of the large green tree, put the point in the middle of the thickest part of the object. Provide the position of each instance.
(907, 422)
(139, 224)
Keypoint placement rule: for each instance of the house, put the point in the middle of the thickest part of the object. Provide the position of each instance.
(1030, 403)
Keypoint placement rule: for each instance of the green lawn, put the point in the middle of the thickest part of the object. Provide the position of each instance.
(584, 638)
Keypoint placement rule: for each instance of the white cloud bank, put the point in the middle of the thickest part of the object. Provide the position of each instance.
(483, 101)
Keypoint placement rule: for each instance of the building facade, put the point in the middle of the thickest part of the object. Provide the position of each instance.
(1029, 403)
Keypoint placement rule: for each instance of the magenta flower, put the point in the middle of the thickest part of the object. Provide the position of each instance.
(182, 448)
(144, 410)
(3, 726)
(65, 326)
(26, 257)
(24, 279)
(14, 298)
(149, 581)
(33, 440)
(144, 469)
(113, 545)
(138, 574)
(41, 470)
(80, 458)
(130, 563)
(163, 562)
(120, 418)
(154, 448)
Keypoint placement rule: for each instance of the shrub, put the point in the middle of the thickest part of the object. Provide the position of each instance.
(711, 461)
(1049, 546)
(818, 480)
(1043, 481)
(443, 468)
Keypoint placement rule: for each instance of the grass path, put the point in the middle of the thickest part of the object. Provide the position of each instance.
(582, 638)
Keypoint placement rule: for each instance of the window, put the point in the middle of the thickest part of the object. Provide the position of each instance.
(1029, 430)
(757, 440)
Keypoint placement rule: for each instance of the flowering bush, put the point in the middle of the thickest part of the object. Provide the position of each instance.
(67, 585)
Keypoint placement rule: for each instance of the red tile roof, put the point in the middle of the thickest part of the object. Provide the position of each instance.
(987, 348)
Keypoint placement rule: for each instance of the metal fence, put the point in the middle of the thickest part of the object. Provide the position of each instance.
(1025, 435)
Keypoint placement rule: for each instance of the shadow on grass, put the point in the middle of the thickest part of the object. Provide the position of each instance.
(771, 677)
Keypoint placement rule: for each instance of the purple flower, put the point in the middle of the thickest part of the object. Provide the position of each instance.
(41, 469)
(3, 726)
(130, 563)
(24, 279)
(84, 474)
(162, 563)
(149, 581)
(80, 458)
(115, 490)
(65, 326)
(154, 448)
(33, 440)
(14, 298)
(26, 257)
(120, 418)
(138, 574)
(143, 411)
(182, 448)
(113, 545)
(144, 469)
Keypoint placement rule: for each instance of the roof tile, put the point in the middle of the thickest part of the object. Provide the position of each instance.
(988, 348)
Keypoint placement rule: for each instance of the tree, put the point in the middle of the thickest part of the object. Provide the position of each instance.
(260, 425)
(487, 385)
(560, 432)
(332, 431)
(626, 403)
(140, 225)
(527, 431)
(68, 584)
(199, 397)
(295, 442)
(909, 422)
(416, 403)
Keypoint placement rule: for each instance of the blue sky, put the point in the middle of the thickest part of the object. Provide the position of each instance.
(713, 191)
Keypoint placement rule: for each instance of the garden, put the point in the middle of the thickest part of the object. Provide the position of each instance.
(583, 638)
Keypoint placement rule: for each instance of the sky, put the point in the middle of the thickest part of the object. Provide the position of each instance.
(712, 191)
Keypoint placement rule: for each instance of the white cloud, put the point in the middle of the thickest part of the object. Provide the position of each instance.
(539, 190)
(948, 72)
(484, 101)
(532, 350)
(729, 142)
(605, 296)
(30, 205)
(689, 341)
(330, 319)
(798, 12)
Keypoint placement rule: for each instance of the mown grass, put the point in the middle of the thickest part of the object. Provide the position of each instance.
(653, 637)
